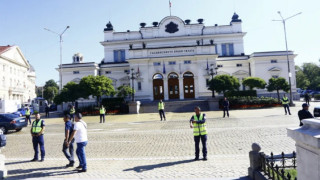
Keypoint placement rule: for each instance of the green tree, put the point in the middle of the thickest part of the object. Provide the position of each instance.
(49, 93)
(312, 72)
(51, 83)
(277, 84)
(124, 91)
(302, 80)
(96, 86)
(223, 83)
(254, 82)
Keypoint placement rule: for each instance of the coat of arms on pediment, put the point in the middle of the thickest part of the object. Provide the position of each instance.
(172, 27)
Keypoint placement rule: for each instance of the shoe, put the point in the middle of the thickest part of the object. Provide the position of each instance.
(82, 170)
(79, 167)
(161, 120)
(164, 119)
(41, 160)
(205, 158)
(69, 165)
(33, 160)
(289, 114)
(286, 114)
(196, 158)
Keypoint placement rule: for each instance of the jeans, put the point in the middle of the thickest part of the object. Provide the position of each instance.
(81, 153)
(203, 139)
(69, 155)
(47, 113)
(72, 117)
(225, 109)
(286, 106)
(28, 118)
(102, 116)
(161, 112)
(38, 140)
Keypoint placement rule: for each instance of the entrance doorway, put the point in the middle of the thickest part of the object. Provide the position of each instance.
(188, 85)
(158, 87)
(173, 86)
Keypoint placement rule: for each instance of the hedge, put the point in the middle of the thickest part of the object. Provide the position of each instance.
(252, 93)
(251, 102)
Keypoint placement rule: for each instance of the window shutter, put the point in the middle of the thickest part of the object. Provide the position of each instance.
(123, 55)
(231, 51)
(224, 49)
(115, 56)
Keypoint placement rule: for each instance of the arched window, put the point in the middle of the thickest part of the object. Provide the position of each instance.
(188, 74)
(157, 76)
(173, 76)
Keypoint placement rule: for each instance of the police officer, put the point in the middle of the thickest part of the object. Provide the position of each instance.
(161, 110)
(72, 112)
(67, 148)
(28, 115)
(225, 104)
(304, 113)
(37, 130)
(285, 103)
(102, 114)
(198, 123)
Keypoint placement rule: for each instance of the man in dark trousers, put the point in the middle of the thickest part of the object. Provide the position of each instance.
(198, 123)
(47, 109)
(27, 113)
(161, 110)
(37, 131)
(102, 111)
(285, 102)
(72, 111)
(304, 113)
(307, 98)
(225, 104)
(68, 131)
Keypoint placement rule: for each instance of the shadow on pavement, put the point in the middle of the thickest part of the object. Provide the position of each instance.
(17, 162)
(243, 178)
(38, 172)
(161, 165)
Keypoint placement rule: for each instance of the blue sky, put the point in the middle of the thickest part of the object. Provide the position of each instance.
(22, 23)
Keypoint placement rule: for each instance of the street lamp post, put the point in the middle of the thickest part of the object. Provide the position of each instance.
(134, 75)
(212, 71)
(283, 20)
(60, 37)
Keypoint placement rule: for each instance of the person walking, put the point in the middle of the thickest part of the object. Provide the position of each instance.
(102, 114)
(304, 113)
(37, 131)
(225, 104)
(72, 111)
(67, 148)
(285, 103)
(161, 110)
(79, 133)
(47, 109)
(307, 98)
(198, 123)
(27, 113)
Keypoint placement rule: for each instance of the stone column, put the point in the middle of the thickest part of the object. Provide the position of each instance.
(165, 87)
(181, 88)
(307, 140)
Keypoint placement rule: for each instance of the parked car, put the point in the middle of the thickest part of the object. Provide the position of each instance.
(316, 111)
(53, 107)
(22, 111)
(12, 122)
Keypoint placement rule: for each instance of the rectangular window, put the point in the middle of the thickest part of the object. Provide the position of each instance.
(239, 65)
(139, 86)
(274, 61)
(127, 71)
(227, 49)
(156, 63)
(76, 72)
(119, 55)
(187, 62)
(172, 62)
(207, 82)
(219, 65)
(274, 76)
(108, 72)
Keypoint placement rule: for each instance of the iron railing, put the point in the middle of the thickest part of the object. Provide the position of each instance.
(274, 166)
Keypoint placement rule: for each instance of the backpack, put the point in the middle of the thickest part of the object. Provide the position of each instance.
(3, 140)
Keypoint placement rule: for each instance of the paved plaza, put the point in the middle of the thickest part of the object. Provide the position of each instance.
(142, 147)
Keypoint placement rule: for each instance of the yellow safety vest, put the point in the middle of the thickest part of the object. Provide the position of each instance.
(285, 100)
(199, 129)
(27, 113)
(160, 105)
(36, 127)
(72, 111)
(102, 111)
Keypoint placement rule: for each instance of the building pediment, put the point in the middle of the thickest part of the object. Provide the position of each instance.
(274, 69)
(15, 55)
(241, 72)
(222, 73)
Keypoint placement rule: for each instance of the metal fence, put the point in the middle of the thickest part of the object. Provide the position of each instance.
(275, 166)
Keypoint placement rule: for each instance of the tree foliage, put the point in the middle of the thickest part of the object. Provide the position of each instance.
(124, 91)
(51, 83)
(302, 80)
(223, 83)
(254, 82)
(50, 90)
(277, 84)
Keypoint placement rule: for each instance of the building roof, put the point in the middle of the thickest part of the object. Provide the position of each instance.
(4, 48)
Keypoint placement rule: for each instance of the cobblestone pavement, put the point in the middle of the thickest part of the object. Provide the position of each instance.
(142, 147)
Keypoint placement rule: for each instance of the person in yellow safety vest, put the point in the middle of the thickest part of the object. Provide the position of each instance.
(27, 113)
(102, 114)
(198, 123)
(72, 112)
(37, 131)
(161, 110)
(285, 102)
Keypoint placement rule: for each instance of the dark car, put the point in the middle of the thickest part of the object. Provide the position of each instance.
(316, 111)
(12, 122)
(53, 107)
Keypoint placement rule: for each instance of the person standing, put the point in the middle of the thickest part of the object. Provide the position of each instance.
(161, 110)
(307, 98)
(72, 112)
(304, 113)
(79, 133)
(102, 114)
(285, 103)
(37, 131)
(225, 104)
(198, 123)
(68, 130)
(47, 109)
(27, 113)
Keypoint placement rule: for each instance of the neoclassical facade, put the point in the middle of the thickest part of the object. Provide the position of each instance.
(172, 59)
(17, 76)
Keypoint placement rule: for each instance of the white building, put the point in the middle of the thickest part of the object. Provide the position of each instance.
(17, 76)
(173, 58)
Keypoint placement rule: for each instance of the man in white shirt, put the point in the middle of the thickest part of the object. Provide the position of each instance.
(80, 135)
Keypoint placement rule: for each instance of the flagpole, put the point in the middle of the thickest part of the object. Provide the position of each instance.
(170, 7)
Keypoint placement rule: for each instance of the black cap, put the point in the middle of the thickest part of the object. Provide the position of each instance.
(305, 105)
